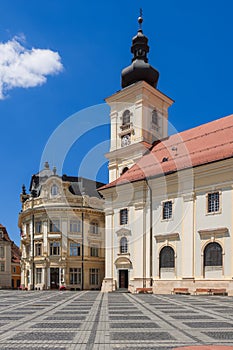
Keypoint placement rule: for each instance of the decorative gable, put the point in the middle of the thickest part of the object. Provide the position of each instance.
(123, 232)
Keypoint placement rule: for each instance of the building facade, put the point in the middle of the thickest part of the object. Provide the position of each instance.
(62, 233)
(9, 261)
(169, 202)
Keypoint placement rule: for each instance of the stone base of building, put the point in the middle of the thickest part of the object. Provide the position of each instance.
(139, 283)
(167, 286)
(108, 285)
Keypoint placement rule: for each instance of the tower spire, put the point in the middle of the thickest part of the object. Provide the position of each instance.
(140, 20)
(139, 69)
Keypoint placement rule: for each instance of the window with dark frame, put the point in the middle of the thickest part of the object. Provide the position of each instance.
(55, 248)
(94, 251)
(38, 249)
(123, 245)
(75, 249)
(213, 202)
(2, 252)
(213, 254)
(167, 258)
(123, 216)
(167, 210)
(2, 267)
(94, 276)
(39, 275)
(75, 275)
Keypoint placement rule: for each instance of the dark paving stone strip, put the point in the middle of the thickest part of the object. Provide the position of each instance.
(128, 318)
(141, 336)
(64, 318)
(134, 325)
(220, 335)
(44, 336)
(121, 312)
(92, 336)
(56, 325)
(207, 324)
(192, 317)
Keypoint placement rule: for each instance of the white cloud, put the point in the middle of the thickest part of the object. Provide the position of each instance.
(21, 67)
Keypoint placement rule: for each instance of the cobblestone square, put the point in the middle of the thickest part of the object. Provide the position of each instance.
(93, 320)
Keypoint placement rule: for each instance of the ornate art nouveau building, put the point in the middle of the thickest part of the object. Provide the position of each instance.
(169, 203)
(62, 233)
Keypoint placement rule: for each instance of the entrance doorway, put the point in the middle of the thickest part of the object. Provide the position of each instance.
(123, 279)
(54, 278)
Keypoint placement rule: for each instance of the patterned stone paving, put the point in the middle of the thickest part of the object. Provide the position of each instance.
(91, 320)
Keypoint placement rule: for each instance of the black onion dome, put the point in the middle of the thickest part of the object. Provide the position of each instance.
(139, 69)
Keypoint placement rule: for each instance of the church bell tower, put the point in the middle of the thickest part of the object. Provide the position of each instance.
(139, 111)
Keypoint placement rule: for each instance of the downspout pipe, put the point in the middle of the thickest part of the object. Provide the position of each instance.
(82, 266)
(151, 233)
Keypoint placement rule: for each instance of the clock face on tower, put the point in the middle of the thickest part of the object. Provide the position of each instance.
(125, 140)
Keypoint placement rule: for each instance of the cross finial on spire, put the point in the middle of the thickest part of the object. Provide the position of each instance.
(140, 19)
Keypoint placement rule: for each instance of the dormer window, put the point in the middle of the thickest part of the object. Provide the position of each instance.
(126, 117)
(54, 190)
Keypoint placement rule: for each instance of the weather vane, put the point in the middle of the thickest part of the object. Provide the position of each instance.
(140, 19)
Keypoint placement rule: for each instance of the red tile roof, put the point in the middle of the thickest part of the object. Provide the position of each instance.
(201, 145)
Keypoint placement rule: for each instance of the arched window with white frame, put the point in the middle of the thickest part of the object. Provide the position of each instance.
(167, 263)
(213, 261)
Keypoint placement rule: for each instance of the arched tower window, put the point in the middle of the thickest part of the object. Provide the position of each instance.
(126, 117)
(167, 258)
(213, 255)
(123, 245)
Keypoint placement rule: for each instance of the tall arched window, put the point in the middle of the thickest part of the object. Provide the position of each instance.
(213, 255)
(167, 258)
(126, 117)
(123, 245)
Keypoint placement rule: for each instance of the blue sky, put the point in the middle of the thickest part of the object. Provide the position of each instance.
(190, 44)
